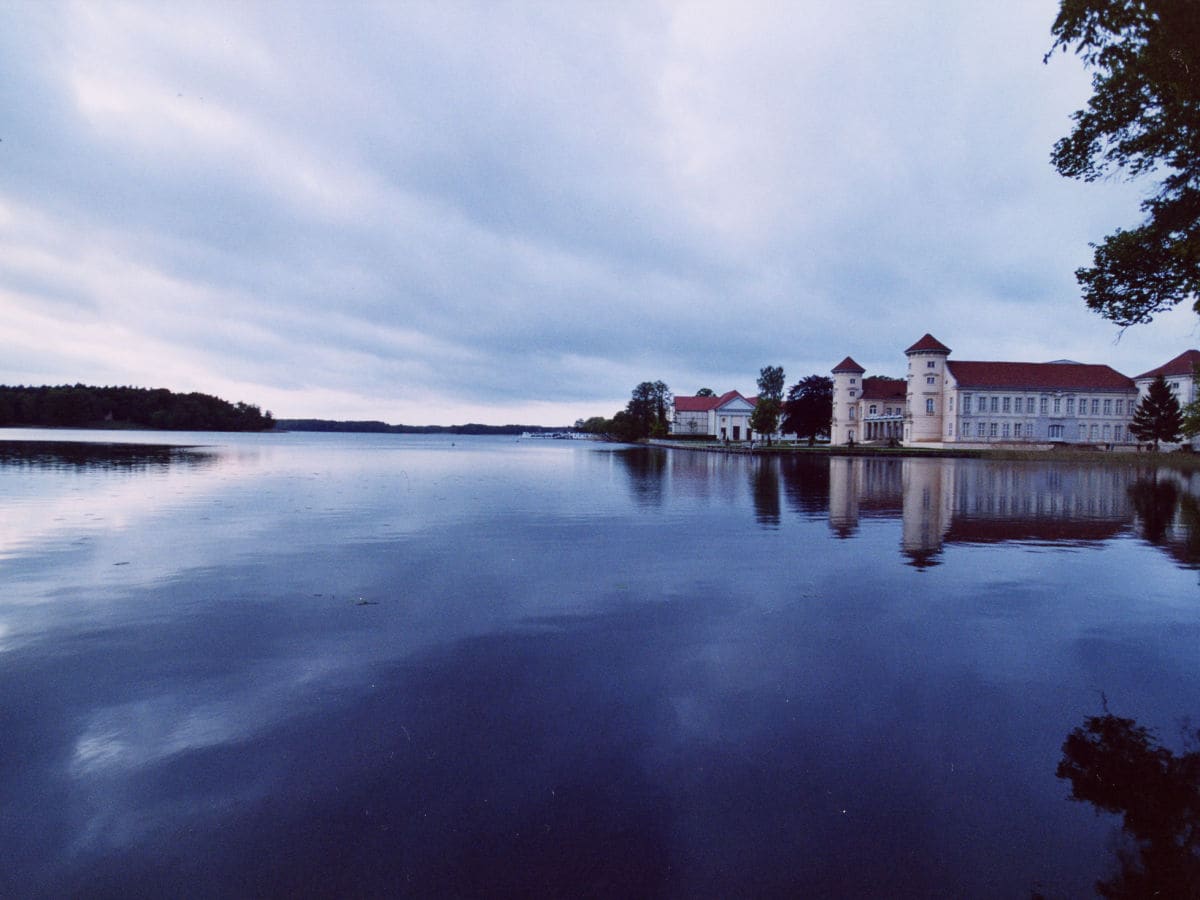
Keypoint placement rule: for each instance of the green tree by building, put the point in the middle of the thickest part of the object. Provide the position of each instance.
(765, 418)
(1158, 417)
(809, 408)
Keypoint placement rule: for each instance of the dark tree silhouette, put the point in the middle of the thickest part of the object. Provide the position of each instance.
(1158, 417)
(1143, 116)
(809, 407)
(81, 406)
(1120, 767)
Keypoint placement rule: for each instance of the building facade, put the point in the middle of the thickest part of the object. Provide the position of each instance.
(727, 417)
(988, 404)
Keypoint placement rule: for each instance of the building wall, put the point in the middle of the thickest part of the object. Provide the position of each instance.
(847, 408)
(1083, 417)
(926, 396)
(691, 423)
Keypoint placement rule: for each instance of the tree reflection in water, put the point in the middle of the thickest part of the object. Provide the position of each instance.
(765, 487)
(1168, 516)
(1120, 767)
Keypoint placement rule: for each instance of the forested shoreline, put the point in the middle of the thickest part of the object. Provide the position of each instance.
(84, 406)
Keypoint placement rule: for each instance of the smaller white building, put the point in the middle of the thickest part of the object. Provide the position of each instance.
(725, 417)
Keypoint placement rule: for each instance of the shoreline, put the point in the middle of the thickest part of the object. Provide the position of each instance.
(1173, 459)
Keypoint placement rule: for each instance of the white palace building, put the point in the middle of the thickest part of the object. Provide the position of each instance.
(944, 402)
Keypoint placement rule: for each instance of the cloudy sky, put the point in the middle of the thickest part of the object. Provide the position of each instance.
(440, 212)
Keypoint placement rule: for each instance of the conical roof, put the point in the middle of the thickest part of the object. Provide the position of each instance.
(928, 344)
(848, 365)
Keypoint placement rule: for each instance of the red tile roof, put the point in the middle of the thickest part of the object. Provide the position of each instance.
(704, 404)
(1038, 376)
(876, 388)
(928, 343)
(1183, 364)
(848, 365)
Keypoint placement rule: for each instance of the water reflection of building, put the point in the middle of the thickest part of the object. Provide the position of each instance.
(942, 501)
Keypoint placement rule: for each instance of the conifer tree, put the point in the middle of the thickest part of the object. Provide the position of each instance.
(1158, 417)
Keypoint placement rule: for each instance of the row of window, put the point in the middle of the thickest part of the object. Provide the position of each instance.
(1017, 430)
(1047, 405)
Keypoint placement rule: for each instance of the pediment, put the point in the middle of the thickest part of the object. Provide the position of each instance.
(737, 404)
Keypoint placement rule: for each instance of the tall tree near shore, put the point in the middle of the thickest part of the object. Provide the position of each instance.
(765, 418)
(809, 408)
(1158, 417)
(1143, 116)
(647, 409)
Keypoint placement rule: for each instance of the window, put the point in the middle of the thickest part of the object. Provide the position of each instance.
(1070, 406)
(1120, 409)
(951, 403)
(1083, 432)
(931, 364)
(966, 404)
(1017, 428)
(1029, 405)
(1056, 431)
(1107, 433)
(1045, 407)
(1095, 432)
(1108, 407)
(1095, 406)
(874, 409)
(1006, 429)
(982, 405)
(995, 404)
(1057, 405)
(853, 413)
(1008, 404)
(992, 430)
(1117, 432)
(1017, 404)
(950, 430)
(931, 380)
(978, 429)
(1175, 386)
(853, 393)
(929, 406)
(852, 381)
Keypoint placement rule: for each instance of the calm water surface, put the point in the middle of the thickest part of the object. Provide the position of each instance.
(353, 665)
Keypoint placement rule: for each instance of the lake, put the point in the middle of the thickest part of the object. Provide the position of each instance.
(436, 666)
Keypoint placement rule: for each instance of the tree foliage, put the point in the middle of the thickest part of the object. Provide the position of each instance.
(645, 414)
(1158, 417)
(765, 417)
(81, 406)
(809, 407)
(1120, 767)
(706, 392)
(1143, 117)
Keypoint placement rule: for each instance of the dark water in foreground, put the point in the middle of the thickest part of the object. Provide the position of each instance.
(350, 665)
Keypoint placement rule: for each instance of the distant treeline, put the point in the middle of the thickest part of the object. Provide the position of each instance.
(81, 406)
(384, 428)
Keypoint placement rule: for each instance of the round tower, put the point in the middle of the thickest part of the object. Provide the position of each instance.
(847, 390)
(926, 392)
